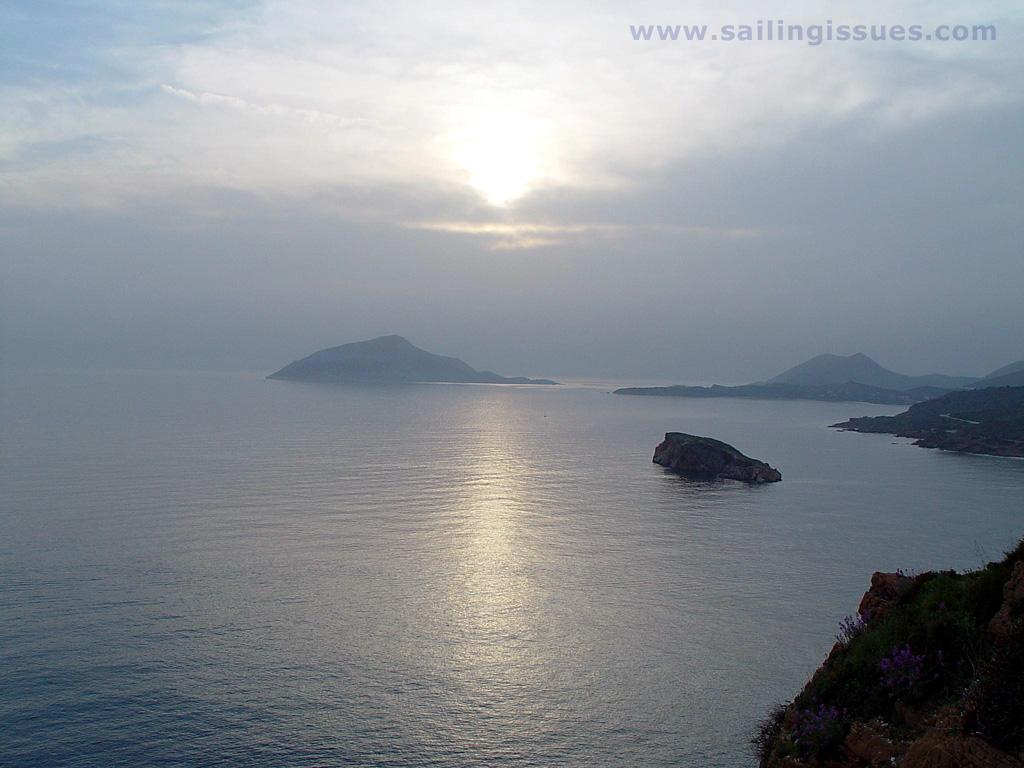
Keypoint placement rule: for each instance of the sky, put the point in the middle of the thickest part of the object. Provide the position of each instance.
(234, 184)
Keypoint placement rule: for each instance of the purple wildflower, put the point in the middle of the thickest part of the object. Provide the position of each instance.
(901, 669)
(851, 627)
(818, 729)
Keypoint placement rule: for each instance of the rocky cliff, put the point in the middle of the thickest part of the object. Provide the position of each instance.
(929, 674)
(703, 457)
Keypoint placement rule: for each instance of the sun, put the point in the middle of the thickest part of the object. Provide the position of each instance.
(502, 155)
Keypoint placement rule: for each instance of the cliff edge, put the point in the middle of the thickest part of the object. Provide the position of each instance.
(928, 674)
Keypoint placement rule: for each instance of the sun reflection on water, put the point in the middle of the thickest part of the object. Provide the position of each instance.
(492, 598)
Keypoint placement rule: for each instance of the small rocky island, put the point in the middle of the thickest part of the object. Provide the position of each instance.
(706, 458)
(928, 674)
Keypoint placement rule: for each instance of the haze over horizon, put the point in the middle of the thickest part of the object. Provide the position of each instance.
(237, 184)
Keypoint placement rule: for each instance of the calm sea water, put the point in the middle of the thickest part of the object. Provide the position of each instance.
(218, 570)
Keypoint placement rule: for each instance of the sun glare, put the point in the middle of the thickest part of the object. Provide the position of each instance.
(501, 154)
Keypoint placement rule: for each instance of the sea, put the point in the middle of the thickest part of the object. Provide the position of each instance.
(214, 569)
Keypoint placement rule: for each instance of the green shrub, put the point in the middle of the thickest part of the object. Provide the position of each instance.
(998, 697)
(930, 647)
(928, 643)
(767, 733)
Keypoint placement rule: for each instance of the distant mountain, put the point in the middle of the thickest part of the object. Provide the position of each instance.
(847, 392)
(1011, 375)
(389, 360)
(834, 378)
(1012, 379)
(830, 370)
(989, 420)
(1017, 367)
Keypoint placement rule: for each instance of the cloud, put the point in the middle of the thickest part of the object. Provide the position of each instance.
(270, 109)
(253, 180)
(518, 235)
(306, 94)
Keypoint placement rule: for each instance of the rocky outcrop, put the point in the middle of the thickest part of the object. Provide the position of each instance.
(929, 675)
(943, 750)
(869, 745)
(886, 590)
(706, 458)
(1010, 616)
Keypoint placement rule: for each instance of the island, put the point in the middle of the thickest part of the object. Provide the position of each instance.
(389, 360)
(850, 392)
(838, 378)
(705, 458)
(928, 674)
(987, 421)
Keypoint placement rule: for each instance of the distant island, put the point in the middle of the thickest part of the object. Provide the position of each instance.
(835, 378)
(988, 421)
(389, 360)
(850, 392)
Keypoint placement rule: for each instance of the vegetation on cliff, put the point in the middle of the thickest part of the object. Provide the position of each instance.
(929, 673)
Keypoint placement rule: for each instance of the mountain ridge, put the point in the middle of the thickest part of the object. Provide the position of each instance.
(830, 369)
(1006, 370)
(1013, 379)
(827, 377)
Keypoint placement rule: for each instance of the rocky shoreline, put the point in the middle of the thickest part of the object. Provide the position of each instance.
(986, 421)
